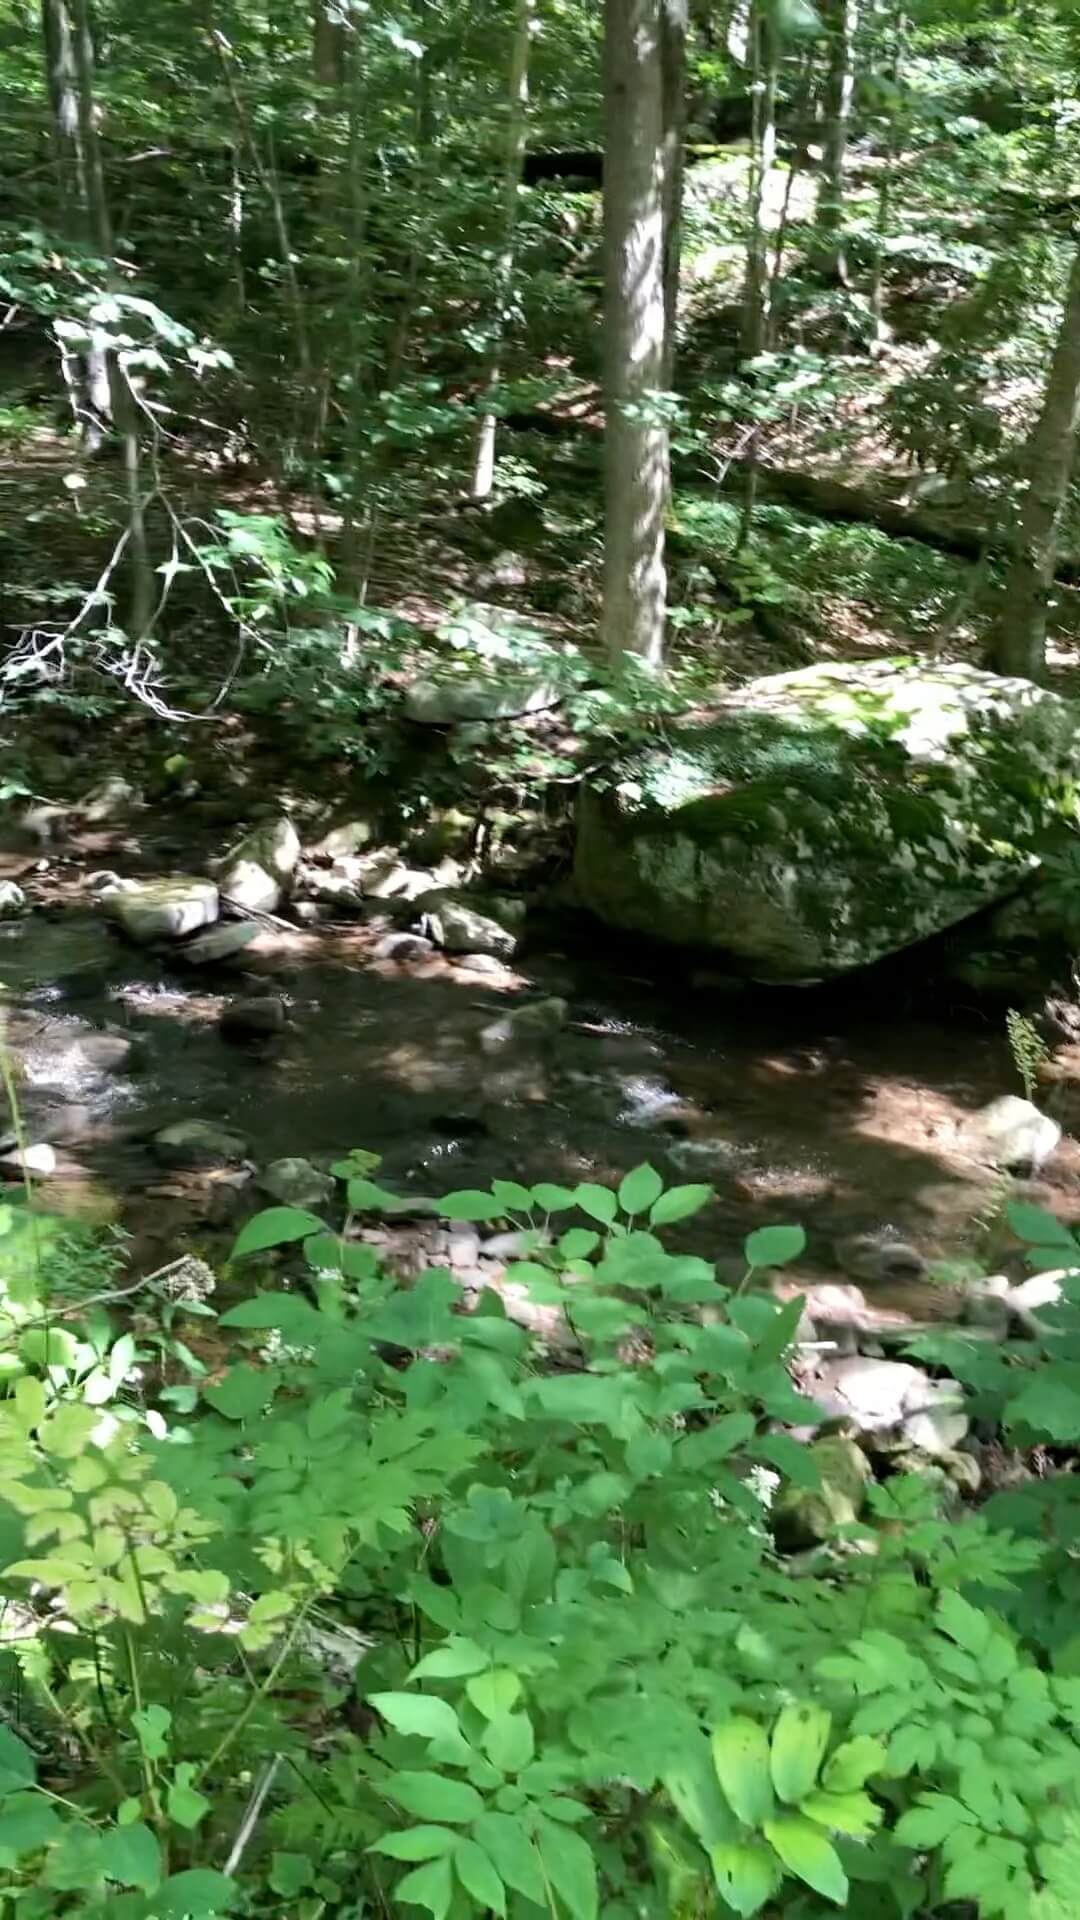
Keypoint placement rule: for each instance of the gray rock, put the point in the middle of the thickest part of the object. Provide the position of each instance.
(404, 946)
(458, 928)
(254, 1016)
(879, 1257)
(825, 818)
(162, 909)
(12, 900)
(352, 837)
(335, 890)
(222, 943)
(890, 1397)
(39, 1158)
(295, 1183)
(258, 873)
(109, 798)
(470, 697)
(535, 1021)
(483, 963)
(198, 1143)
(1010, 1133)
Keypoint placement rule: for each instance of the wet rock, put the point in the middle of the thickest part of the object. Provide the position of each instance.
(485, 964)
(403, 947)
(883, 1397)
(104, 878)
(12, 900)
(109, 799)
(879, 1257)
(350, 838)
(803, 1516)
(162, 909)
(105, 1053)
(457, 927)
(538, 1020)
(828, 817)
(40, 1158)
(1012, 1134)
(221, 944)
(334, 890)
(470, 697)
(306, 913)
(254, 1017)
(295, 1183)
(258, 873)
(198, 1143)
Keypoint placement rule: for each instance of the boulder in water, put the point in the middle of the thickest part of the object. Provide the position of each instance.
(12, 900)
(296, 1183)
(257, 874)
(198, 1143)
(1012, 1134)
(457, 927)
(162, 909)
(823, 819)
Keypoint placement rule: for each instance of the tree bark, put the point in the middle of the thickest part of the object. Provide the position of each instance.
(763, 153)
(674, 20)
(636, 439)
(842, 20)
(517, 124)
(1018, 639)
(85, 375)
(328, 47)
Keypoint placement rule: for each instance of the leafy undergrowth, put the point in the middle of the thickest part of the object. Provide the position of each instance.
(395, 1611)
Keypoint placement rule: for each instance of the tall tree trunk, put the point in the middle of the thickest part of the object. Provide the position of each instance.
(85, 375)
(763, 57)
(893, 146)
(673, 29)
(842, 20)
(124, 410)
(1018, 640)
(516, 130)
(328, 46)
(636, 441)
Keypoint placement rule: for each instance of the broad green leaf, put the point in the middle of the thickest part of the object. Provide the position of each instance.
(364, 1196)
(508, 1742)
(431, 1796)
(430, 1886)
(851, 1766)
(746, 1875)
(452, 1660)
(578, 1242)
(17, 1767)
(185, 1805)
(694, 1790)
(505, 1840)
(570, 1867)
(470, 1204)
(416, 1843)
(598, 1202)
(132, 1856)
(479, 1876)
(773, 1246)
(1040, 1228)
(512, 1197)
(553, 1199)
(853, 1813)
(799, 1740)
(27, 1822)
(678, 1203)
(932, 1821)
(807, 1854)
(422, 1714)
(495, 1692)
(290, 1873)
(289, 1313)
(275, 1227)
(740, 1750)
(194, 1895)
(244, 1391)
(640, 1190)
(963, 1622)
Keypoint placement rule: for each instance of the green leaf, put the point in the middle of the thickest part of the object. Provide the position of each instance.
(678, 1203)
(495, 1692)
(290, 1873)
(1040, 1228)
(479, 1876)
(132, 1856)
(471, 1204)
(17, 1767)
(746, 1875)
(694, 1790)
(553, 1199)
(288, 1313)
(451, 1661)
(640, 1190)
(598, 1202)
(777, 1336)
(515, 1858)
(799, 1740)
(512, 1197)
(195, 1894)
(27, 1822)
(244, 1391)
(364, 1196)
(932, 1821)
(570, 1867)
(509, 1742)
(416, 1843)
(853, 1813)
(773, 1246)
(431, 1796)
(578, 1242)
(275, 1227)
(431, 1886)
(422, 1714)
(740, 1751)
(186, 1806)
(851, 1766)
(807, 1854)
(963, 1622)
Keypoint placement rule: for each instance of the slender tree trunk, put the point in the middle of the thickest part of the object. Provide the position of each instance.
(842, 18)
(673, 30)
(85, 375)
(1018, 640)
(124, 410)
(894, 138)
(328, 46)
(516, 130)
(636, 441)
(763, 55)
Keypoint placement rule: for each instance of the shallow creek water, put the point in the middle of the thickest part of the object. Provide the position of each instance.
(840, 1110)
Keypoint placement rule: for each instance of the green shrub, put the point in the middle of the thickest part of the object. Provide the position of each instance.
(414, 1614)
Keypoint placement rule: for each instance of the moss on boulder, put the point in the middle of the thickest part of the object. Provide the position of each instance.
(823, 819)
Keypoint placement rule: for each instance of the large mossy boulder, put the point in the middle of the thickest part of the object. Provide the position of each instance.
(823, 819)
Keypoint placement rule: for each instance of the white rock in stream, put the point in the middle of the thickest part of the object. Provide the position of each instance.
(162, 909)
(889, 1396)
(1012, 1134)
(12, 900)
(258, 872)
